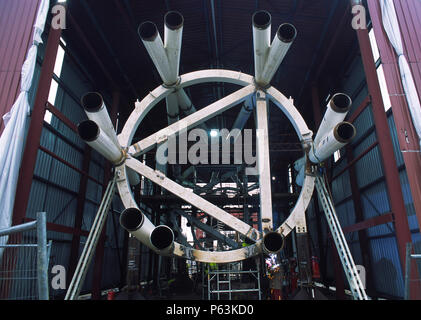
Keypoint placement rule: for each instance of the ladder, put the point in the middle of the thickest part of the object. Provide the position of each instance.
(90, 245)
(348, 264)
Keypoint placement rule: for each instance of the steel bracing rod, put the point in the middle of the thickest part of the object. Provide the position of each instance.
(263, 161)
(208, 229)
(348, 264)
(191, 121)
(192, 198)
(242, 117)
(91, 242)
(176, 227)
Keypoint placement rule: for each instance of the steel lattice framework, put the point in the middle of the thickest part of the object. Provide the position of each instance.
(296, 218)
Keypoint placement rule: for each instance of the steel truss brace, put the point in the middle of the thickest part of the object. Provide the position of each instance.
(345, 256)
(195, 200)
(208, 229)
(191, 121)
(91, 242)
(133, 149)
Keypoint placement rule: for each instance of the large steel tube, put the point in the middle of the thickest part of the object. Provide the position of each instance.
(138, 225)
(184, 102)
(298, 164)
(162, 237)
(173, 32)
(244, 114)
(95, 109)
(261, 41)
(299, 178)
(152, 41)
(341, 134)
(172, 108)
(273, 242)
(281, 43)
(336, 112)
(96, 138)
(186, 106)
(133, 177)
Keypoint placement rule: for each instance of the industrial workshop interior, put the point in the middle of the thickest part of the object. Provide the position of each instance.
(232, 150)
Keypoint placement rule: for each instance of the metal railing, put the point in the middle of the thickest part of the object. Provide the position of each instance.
(24, 259)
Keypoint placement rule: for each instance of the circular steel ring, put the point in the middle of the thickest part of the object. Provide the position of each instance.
(217, 75)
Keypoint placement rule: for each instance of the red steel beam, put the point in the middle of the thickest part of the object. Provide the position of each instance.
(83, 172)
(369, 223)
(391, 173)
(80, 206)
(35, 128)
(360, 109)
(60, 228)
(61, 116)
(352, 162)
(407, 136)
(359, 218)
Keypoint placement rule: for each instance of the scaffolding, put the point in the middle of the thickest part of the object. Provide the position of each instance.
(220, 281)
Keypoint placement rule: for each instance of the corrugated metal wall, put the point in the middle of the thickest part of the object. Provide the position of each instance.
(16, 20)
(55, 187)
(386, 268)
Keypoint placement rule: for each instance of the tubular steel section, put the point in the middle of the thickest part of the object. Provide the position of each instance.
(19, 276)
(345, 256)
(91, 242)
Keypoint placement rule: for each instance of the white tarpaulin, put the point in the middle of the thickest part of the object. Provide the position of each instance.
(391, 26)
(13, 136)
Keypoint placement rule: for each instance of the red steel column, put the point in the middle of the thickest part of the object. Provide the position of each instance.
(390, 169)
(74, 252)
(99, 252)
(407, 136)
(35, 128)
(359, 217)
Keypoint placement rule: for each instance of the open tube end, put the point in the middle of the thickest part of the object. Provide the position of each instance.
(273, 242)
(286, 32)
(340, 102)
(261, 19)
(162, 237)
(173, 20)
(344, 132)
(147, 31)
(131, 219)
(88, 130)
(92, 102)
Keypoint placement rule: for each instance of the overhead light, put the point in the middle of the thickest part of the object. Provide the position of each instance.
(214, 133)
(274, 178)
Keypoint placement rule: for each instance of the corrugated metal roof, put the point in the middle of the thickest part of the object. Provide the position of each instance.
(121, 51)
